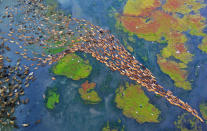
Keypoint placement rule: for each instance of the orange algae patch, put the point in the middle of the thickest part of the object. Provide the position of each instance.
(171, 5)
(167, 22)
(173, 70)
(180, 47)
(152, 28)
(86, 86)
(138, 25)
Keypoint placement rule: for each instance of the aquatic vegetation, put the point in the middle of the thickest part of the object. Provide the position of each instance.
(130, 48)
(136, 7)
(113, 126)
(203, 46)
(72, 66)
(203, 110)
(175, 71)
(185, 122)
(52, 97)
(145, 20)
(183, 6)
(88, 94)
(135, 104)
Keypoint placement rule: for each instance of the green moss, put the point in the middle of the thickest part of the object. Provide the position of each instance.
(52, 98)
(186, 122)
(203, 110)
(72, 66)
(135, 104)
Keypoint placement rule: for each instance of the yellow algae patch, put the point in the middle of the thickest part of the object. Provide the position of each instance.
(175, 71)
(178, 51)
(194, 23)
(135, 104)
(203, 46)
(135, 7)
(183, 6)
(130, 48)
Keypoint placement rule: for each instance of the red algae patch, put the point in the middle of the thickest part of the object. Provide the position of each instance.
(87, 86)
(172, 5)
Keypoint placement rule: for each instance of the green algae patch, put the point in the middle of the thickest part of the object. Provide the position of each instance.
(52, 98)
(88, 94)
(135, 104)
(116, 126)
(203, 45)
(173, 69)
(72, 66)
(130, 48)
(186, 122)
(203, 110)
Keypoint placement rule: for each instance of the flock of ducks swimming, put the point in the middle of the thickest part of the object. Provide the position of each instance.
(34, 31)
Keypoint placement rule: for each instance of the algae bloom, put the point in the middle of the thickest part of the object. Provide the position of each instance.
(88, 93)
(186, 122)
(203, 110)
(72, 66)
(52, 98)
(115, 126)
(135, 104)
